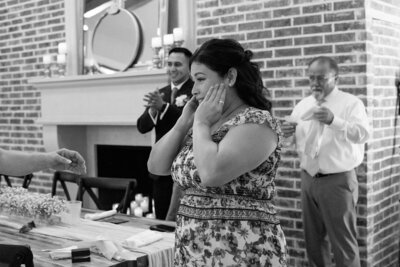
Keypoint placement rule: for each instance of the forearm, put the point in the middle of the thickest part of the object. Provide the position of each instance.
(354, 132)
(354, 125)
(18, 163)
(165, 150)
(205, 152)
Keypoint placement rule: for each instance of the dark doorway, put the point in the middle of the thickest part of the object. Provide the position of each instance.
(123, 162)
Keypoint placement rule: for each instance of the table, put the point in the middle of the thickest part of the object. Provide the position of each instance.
(40, 243)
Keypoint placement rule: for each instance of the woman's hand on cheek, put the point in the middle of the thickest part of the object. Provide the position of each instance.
(189, 109)
(210, 109)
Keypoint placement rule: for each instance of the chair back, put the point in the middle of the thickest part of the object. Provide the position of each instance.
(62, 177)
(15, 255)
(87, 184)
(25, 184)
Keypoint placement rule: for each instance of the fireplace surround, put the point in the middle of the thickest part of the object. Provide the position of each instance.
(81, 112)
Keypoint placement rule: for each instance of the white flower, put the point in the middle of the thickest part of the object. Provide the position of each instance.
(181, 100)
(19, 201)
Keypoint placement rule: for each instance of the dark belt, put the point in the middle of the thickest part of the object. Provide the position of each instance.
(321, 175)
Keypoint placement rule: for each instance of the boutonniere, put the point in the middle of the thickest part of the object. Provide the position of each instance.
(181, 100)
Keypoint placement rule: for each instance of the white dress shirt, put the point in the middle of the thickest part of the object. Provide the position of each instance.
(154, 118)
(342, 142)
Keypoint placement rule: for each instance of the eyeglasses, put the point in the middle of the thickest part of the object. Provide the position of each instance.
(320, 78)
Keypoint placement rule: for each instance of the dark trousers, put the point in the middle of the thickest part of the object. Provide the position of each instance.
(329, 210)
(162, 191)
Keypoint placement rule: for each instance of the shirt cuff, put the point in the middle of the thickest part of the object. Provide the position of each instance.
(164, 111)
(154, 119)
(337, 124)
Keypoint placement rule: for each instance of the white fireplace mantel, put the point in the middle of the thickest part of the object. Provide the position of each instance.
(113, 99)
(79, 112)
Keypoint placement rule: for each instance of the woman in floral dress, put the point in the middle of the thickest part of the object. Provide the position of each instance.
(224, 151)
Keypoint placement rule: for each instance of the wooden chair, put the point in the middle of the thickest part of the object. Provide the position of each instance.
(86, 184)
(15, 255)
(25, 183)
(62, 177)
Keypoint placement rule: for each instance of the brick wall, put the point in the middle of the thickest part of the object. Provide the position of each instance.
(383, 46)
(285, 35)
(28, 30)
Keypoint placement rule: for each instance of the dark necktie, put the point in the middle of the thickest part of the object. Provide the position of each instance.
(173, 95)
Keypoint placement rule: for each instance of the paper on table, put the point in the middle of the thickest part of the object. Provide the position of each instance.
(100, 215)
(107, 248)
(62, 253)
(142, 239)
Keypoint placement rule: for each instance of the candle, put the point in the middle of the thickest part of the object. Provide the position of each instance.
(168, 39)
(89, 62)
(46, 59)
(138, 198)
(62, 48)
(145, 204)
(178, 34)
(156, 42)
(133, 205)
(150, 215)
(138, 212)
(61, 58)
(115, 206)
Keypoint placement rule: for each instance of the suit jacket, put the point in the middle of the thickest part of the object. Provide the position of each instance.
(162, 126)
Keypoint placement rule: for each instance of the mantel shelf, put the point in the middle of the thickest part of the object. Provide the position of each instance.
(101, 99)
(84, 80)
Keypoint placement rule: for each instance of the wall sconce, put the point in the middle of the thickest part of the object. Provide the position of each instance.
(61, 64)
(61, 58)
(47, 65)
(89, 66)
(156, 45)
(178, 37)
(161, 47)
(168, 42)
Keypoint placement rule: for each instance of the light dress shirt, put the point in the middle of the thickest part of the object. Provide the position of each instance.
(154, 118)
(342, 142)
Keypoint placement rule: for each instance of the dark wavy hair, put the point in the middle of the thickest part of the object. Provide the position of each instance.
(182, 50)
(220, 55)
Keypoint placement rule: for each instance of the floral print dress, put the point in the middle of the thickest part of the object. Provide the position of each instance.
(234, 224)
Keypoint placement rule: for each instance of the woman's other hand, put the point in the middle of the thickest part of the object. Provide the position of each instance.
(188, 112)
(65, 159)
(210, 109)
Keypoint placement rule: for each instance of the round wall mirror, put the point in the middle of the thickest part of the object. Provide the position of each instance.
(117, 41)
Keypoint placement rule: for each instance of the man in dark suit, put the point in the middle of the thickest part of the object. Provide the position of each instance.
(163, 108)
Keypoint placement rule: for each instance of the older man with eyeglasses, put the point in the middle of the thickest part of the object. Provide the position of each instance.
(330, 128)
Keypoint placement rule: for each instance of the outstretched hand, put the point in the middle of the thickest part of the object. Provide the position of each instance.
(288, 128)
(210, 109)
(70, 160)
